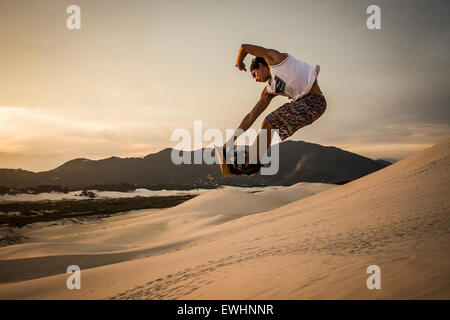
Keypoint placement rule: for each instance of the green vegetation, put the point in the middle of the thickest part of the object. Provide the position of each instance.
(19, 214)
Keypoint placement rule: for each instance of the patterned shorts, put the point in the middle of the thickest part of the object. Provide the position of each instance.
(294, 115)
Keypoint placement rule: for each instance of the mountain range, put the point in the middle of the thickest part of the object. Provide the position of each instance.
(299, 162)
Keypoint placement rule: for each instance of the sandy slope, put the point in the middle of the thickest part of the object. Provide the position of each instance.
(53, 246)
(243, 246)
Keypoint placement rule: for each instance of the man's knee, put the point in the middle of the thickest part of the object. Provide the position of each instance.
(266, 124)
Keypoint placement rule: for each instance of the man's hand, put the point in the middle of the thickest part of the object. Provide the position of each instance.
(241, 66)
(228, 153)
(232, 142)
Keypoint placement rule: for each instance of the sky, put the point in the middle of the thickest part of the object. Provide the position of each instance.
(138, 70)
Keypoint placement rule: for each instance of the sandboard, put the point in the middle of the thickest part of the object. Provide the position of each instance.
(224, 168)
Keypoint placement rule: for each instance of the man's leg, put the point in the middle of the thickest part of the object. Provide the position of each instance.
(261, 148)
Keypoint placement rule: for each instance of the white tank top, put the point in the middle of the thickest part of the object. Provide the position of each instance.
(292, 78)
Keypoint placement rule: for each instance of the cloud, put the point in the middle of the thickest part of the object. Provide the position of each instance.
(136, 73)
(36, 131)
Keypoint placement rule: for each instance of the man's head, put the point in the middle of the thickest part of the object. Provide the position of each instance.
(259, 70)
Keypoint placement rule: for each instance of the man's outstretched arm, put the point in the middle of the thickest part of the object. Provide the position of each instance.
(271, 56)
(248, 120)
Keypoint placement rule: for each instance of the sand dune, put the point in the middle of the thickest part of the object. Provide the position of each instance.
(306, 241)
(132, 236)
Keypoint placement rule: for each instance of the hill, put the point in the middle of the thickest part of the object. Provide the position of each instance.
(299, 162)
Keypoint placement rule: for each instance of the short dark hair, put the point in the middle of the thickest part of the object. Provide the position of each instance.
(256, 61)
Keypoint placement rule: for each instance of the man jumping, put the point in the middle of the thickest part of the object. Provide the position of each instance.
(286, 76)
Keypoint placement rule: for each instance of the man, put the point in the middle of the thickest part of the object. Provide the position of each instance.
(287, 76)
